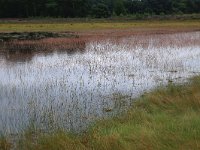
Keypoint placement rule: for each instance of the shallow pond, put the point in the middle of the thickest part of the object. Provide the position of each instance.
(70, 91)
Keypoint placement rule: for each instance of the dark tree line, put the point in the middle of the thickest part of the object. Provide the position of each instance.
(95, 8)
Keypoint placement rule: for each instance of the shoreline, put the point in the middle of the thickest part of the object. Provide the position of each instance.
(154, 112)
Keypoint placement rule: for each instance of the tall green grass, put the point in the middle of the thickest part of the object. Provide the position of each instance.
(167, 118)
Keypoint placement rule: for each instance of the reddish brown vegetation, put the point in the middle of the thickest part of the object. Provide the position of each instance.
(139, 37)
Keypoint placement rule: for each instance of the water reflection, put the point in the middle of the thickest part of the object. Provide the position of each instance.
(24, 52)
(71, 91)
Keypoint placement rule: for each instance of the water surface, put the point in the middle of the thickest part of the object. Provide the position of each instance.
(72, 90)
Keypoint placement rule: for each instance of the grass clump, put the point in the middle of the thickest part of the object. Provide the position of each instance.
(167, 118)
(54, 141)
(4, 143)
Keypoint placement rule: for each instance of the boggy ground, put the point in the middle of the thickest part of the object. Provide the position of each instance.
(34, 35)
(167, 118)
(72, 35)
(47, 36)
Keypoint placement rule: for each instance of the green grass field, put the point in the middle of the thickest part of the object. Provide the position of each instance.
(16, 26)
(167, 118)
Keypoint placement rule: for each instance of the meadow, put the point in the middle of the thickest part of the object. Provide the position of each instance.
(77, 26)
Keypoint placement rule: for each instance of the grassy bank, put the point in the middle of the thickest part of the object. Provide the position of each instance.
(167, 118)
(22, 26)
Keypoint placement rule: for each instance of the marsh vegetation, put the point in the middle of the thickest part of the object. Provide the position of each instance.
(52, 87)
(69, 89)
(167, 118)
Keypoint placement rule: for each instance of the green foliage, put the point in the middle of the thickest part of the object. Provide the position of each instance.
(51, 7)
(100, 11)
(100, 8)
(119, 7)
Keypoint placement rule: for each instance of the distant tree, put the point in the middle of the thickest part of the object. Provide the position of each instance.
(51, 8)
(192, 6)
(137, 6)
(101, 11)
(160, 6)
(97, 8)
(119, 7)
(179, 6)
